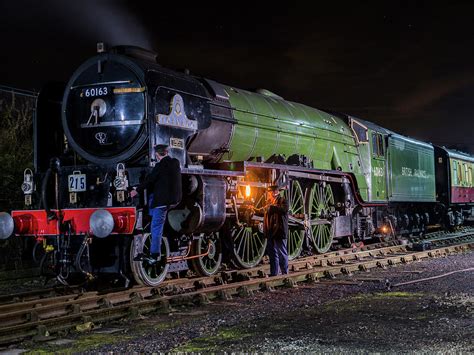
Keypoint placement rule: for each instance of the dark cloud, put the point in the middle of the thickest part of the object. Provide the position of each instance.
(430, 92)
(34, 23)
(110, 21)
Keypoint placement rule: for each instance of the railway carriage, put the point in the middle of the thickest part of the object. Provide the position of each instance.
(454, 184)
(346, 179)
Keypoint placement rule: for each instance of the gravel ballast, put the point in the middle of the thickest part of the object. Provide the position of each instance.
(353, 314)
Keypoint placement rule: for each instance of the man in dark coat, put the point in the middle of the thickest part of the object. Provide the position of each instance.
(275, 227)
(164, 182)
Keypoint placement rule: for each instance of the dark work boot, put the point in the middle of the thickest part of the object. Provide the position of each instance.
(153, 258)
(156, 256)
(139, 257)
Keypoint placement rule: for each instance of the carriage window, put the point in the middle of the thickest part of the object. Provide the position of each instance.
(360, 132)
(460, 177)
(466, 173)
(455, 173)
(469, 174)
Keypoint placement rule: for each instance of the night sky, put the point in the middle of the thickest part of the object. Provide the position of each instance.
(407, 66)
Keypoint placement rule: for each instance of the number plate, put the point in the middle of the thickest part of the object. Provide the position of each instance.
(95, 91)
(77, 183)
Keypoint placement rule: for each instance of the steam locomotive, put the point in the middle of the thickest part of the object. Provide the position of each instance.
(347, 180)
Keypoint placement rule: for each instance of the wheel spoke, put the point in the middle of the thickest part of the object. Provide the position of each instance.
(247, 244)
(241, 241)
(254, 245)
(318, 235)
(258, 242)
(253, 249)
(244, 246)
(243, 252)
(320, 238)
(329, 196)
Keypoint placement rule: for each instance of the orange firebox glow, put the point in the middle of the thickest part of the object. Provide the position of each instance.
(247, 191)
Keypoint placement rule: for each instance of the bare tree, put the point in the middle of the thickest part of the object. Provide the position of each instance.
(16, 146)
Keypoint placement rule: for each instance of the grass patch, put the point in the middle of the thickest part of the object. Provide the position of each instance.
(93, 341)
(214, 342)
(81, 344)
(37, 352)
(359, 302)
(165, 325)
(398, 294)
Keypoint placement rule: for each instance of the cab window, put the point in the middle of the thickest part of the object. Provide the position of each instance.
(377, 144)
(360, 132)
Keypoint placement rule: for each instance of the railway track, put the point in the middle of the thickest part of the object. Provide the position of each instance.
(443, 238)
(439, 239)
(45, 316)
(42, 294)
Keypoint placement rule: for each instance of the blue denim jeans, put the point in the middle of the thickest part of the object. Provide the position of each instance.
(278, 253)
(150, 201)
(158, 218)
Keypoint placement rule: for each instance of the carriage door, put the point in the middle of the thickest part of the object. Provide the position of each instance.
(378, 167)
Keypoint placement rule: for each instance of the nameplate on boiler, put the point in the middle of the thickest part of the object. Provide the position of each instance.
(177, 116)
